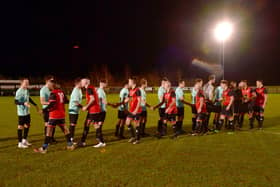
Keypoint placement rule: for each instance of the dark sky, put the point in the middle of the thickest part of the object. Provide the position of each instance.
(144, 36)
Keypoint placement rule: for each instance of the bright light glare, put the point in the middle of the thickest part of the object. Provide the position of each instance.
(223, 31)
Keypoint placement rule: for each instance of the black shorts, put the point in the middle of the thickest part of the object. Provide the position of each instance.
(180, 111)
(133, 117)
(194, 111)
(258, 109)
(217, 108)
(24, 120)
(246, 108)
(73, 118)
(102, 116)
(143, 114)
(54, 122)
(46, 115)
(96, 117)
(122, 114)
(201, 117)
(210, 107)
(170, 117)
(161, 112)
(227, 113)
(236, 107)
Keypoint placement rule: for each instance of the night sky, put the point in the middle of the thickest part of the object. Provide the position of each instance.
(160, 37)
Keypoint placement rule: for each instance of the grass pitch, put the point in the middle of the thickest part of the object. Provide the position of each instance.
(246, 158)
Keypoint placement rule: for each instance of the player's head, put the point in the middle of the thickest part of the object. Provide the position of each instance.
(103, 83)
(85, 82)
(78, 83)
(259, 83)
(182, 83)
(212, 79)
(125, 84)
(198, 83)
(244, 83)
(167, 85)
(163, 81)
(132, 82)
(233, 84)
(224, 84)
(24, 83)
(49, 79)
(143, 83)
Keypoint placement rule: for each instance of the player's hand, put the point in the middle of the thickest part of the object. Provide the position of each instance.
(27, 104)
(152, 108)
(199, 110)
(134, 113)
(263, 106)
(126, 100)
(228, 107)
(84, 108)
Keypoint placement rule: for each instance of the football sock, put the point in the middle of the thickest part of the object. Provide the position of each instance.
(164, 129)
(241, 119)
(25, 133)
(68, 139)
(45, 131)
(117, 132)
(159, 127)
(221, 123)
(53, 133)
(121, 131)
(47, 141)
(131, 129)
(99, 135)
(261, 121)
(85, 133)
(193, 124)
(19, 131)
(137, 132)
(231, 124)
(252, 119)
(72, 131)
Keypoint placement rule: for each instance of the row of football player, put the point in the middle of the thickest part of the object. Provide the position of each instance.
(171, 108)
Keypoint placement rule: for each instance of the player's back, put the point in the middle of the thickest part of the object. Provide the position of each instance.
(94, 107)
(58, 110)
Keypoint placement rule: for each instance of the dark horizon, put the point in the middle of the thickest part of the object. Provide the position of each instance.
(144, 37)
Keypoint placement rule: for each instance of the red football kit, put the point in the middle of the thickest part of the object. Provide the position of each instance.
(247, 94)
(94, 107)
(169, 97)
(227, 94)
(260, 92)
(57, 100)
(135, 99)
(198, 96)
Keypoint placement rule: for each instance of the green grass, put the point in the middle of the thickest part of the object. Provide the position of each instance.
(246, 158)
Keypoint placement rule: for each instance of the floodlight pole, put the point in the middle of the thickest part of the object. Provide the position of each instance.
(223, 57)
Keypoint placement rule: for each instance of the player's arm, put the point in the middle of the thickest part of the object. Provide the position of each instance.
(34, 104)
(158, 105)
(265, 98)
(52, 102)
(42, 98)
(201, 101)
(230, 102)
(17, 102)
(173, 102)
(138, 93)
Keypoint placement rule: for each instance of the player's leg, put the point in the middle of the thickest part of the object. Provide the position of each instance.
(230, 117)
(27, 121)
(130, 128)
(194, 116)
(176, 129)
(65, 130)
(73, 118)
(180, 119)
(48, 137)
(222, 118)
(87, 123)
(98, 128)
(261, 118)
(251, 115)
(160, 121)
(137, 129)
(143, 121)
(19, 132)
(199, 124)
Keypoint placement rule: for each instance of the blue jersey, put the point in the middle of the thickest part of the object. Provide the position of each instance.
(193, 95)
(22, 96)
(161, 92)
(102, 96)
(123, 95)
(45, 93)
(179, 94)
(75, 98)
(143, 97)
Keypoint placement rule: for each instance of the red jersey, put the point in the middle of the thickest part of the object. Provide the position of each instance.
(57, 100)
(198, 96)
(170, 97)
(260, 92)
(94, 107)
(247, 94)
(227, 95)
(135, 99)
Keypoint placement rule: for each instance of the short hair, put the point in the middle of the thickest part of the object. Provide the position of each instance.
(224, 82)
(164, 79)
(233, 82)
(124, 83)
(211, 77)
(261, 81)
(181, 81)
(49, 77)
(134, 79)
(198, 80)
(245, 81)
(103, 81)
(77, 80)
(23, 79)
(143, 81)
